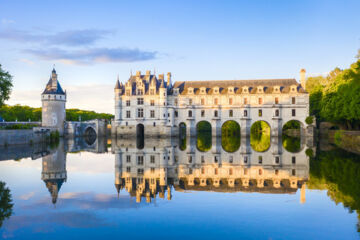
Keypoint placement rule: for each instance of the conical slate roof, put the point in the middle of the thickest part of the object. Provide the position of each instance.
(50, 90)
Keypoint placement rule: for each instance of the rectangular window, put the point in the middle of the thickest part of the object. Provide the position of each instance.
(140, 160)
(139, 92)
(128, 158)
(128, 103)
(190, 113)
(260, 100)
(152, 159)
(152, 102)
(128, 169)
(152, 113)
(202, 113)
(152, 91)
(245, 101)
(293, 112)
(245, 113)
(140, 113)
(216, 171)
(293, 160)
(277, 113)
(230, 113)
(293, 100)
(128, 115)
(140, 171)
(152, 170)
(202, 101)
(202, 159)
(230, 101)
(216, 101)
(293, 172)
(176, 102)
(215, 113)
(276, 100)
(260, 159)
(260, 113)
(176, 113)
(277, 160)
(190, 101)
(140, 101)
(245, 159)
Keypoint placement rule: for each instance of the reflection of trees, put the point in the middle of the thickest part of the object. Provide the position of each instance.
(338, 172)
(230, 136)
(5, 203)
(203, 130)
(291, 144)
(260, 136)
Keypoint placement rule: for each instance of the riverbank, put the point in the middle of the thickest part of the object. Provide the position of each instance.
(347, 140)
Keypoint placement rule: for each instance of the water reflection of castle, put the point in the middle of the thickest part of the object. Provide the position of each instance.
(160, 166)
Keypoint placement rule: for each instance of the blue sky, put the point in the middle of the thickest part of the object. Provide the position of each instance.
(92, 41)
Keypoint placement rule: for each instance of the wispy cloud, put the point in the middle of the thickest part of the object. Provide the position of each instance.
(93, 55)
(67, 38)
(6, 21)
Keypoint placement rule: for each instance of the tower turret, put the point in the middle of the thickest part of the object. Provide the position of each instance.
(53, 101)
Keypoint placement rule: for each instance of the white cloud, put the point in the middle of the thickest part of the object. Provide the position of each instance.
(6, 21)
(27, 196)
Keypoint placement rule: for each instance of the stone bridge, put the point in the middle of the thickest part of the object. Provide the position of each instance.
(93, 128)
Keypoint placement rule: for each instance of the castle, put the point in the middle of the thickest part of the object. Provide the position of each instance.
(151, 105)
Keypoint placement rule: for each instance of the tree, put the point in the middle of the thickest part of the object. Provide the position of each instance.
(5, 86)
(5, 203)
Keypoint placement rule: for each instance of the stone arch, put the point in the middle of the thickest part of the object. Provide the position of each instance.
(292, 135)
(230, 136)
(90, 135)
(140, 130)
(182, 136)
(203, 136)
(260, 133)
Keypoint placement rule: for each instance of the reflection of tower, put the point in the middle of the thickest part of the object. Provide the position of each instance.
(302, 193)
(54, 171)
(118, 172)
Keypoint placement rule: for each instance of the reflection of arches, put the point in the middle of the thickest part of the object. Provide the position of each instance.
(292, 131)
(140, 136)
(230, 136)
(260, 136)
(293, 125)
(182, 136)
(90, 135)
(203, 136)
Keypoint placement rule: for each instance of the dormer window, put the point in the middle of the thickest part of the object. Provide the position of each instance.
(231, 90)
(293, 88)
(190, 90)
(276, 89)
(260, 89)
(216, 90)
(245, 90)
(176, 91)
(202, 90)
(139, 92)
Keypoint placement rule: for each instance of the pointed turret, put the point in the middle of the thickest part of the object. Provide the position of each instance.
(117, 85)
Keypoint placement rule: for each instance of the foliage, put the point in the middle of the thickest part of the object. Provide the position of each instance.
(26, 113)
(309, 120)
(260, 136)
(5, 86)
(203, 141)
(6, 204)
(309, 152)
(293, 124)
(230, 136)
(336, 97)
(337, 137)
(291, 144)
(18, 126)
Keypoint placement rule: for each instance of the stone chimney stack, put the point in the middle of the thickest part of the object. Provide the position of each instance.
(169, 78)
(303, 78)
(148, 72)
(138, 73)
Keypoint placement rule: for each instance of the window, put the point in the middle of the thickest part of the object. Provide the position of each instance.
(293, 100)
(140, 112)
(202, 101)
(190, 113)
(230, 113)
(190, 101)
(152, 102)
(293, 172)
(176, 102)
(276, 172)
(202, 113)
(128, 103)
(152, 159)
(152, 170)
(139, 92)
(215, 159)
(128, 169)
(190, 159)
(176, 113)
(152, 113)
(230, 171)
(260, 172)
(216, 101)
(140, 160)
(293, 160)
(230, 101)
(260, 113)
(202, 170)
(140, 101)
(215, 113)
(128, 115)
(245, 159)
(245, 171)
(260, 159)
(152, 91)
(276, 100)
(260, 100)
(293, 112)
(202, 159)
(140, 171)
(277, 160)
(190, 171)
(245, 113)
(216, 171)
(154, 124)
(128, 158)
(245, 101)
(276, 112)
(231, 159)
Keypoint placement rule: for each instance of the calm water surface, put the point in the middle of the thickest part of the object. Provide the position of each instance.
(170, 189)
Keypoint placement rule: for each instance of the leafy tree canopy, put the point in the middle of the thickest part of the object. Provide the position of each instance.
(5, 86)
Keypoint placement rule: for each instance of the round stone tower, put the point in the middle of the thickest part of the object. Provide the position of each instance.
(53, 105)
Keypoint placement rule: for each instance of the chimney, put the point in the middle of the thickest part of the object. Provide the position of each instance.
(169, 78)
(138, 73)
(161, 76)
(148, 72)
(303, 78)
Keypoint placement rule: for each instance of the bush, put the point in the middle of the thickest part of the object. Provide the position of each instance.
(309, 120)
(18, 126)
(309, 152)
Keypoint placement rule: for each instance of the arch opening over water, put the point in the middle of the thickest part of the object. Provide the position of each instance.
(182, 136)
(230, 136)
(203, 136)
(90, 135)
(140, 136)
(260, 136)
(292, 132)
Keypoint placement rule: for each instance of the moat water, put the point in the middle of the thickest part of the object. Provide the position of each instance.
(202, 188)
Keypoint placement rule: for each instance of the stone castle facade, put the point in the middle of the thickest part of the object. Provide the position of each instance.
(154, 106)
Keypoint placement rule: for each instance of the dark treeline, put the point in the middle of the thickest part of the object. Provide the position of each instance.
(25, 113)
(336, 97)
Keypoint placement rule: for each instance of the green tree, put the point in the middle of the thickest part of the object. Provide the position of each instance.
(5, 86)
(6, 204)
